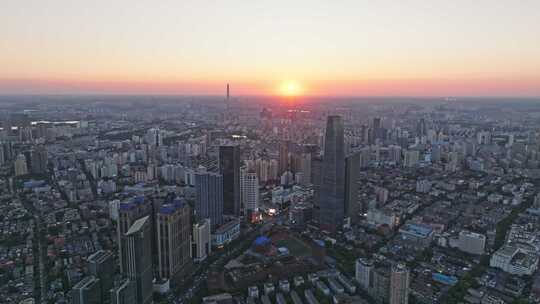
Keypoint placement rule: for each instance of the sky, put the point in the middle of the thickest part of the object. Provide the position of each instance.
(263, 47)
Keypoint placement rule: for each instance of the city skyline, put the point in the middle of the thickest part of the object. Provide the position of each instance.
(307, 48)
(132, 200)
(274, 152)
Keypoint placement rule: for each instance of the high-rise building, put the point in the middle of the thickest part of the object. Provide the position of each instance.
(209, 197)
(101, 265)
(139, 259)
(483, 137)
(201, 239)
(305, 168)
(421, 129)
(39, 160)
(273, 170)
(2, 156)
(423, 186)
(377, 123)
(399, 284)
(394, 152)
(377, 129)
(471, 242)
(352, 166)
(283, 156)
(435, 153)
(8, 150)
(316, 178)
(363, 275)
(128, 213)
(411, 158)
(332, 200)
(154, 137)
(86, 291)
(365, 157)
(263, 170)
(123, 292)
(173, 238)
(250, 191)
(229, 164)
(380, 291)
(382, 195)
(20, 165)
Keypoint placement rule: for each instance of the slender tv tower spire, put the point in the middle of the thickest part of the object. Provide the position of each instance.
(227, 100)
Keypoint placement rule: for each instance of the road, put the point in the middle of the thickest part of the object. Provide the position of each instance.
(41, 257)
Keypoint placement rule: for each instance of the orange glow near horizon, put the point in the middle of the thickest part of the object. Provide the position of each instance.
(291, 88)
(288, 49)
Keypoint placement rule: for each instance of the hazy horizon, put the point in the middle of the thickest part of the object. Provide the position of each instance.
(312, 48)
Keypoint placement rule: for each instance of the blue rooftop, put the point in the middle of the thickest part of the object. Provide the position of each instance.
(261, 241)
(169, 208)
(320, 243)
(420, 230)
(441, 278)
(132, 203)
(33, 183)
(127, 205)
(138, 199)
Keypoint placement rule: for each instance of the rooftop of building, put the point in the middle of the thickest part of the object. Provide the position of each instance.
(420, 230)
(85, 282)
(132, 203)
(99, 255)
(229, 225)
(137, 226)
(173, 206)
(473, 234)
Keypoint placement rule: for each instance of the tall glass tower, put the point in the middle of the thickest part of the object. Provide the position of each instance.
(332, 198)
(229, 164)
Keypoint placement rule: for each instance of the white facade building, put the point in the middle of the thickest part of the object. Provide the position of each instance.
(470, 242)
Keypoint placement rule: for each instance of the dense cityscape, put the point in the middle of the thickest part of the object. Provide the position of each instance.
(141, 199)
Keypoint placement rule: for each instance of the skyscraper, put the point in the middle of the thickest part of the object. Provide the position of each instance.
(174, 242)
(377, 128)
(250, 191)
(154, 137)
(128, 213)
(399, 284)
(123, 292)
(7, 147)
(86, 291)
(139, 259)
(332, 199)
(20, 165)
(411, 158)
(200, 240)
(305, 168)
(352, 165)
(101, 266)
(316, 178)
(421, 129)
(229, 164)
(380, 280)
(209, 197)
(283, 156)
(39, 160)
(363, 274)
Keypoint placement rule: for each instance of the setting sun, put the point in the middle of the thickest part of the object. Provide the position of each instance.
(290, 88)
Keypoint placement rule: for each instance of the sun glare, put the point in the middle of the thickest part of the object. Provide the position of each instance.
(290, 88)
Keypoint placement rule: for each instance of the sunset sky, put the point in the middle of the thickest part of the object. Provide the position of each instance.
(306, 47)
